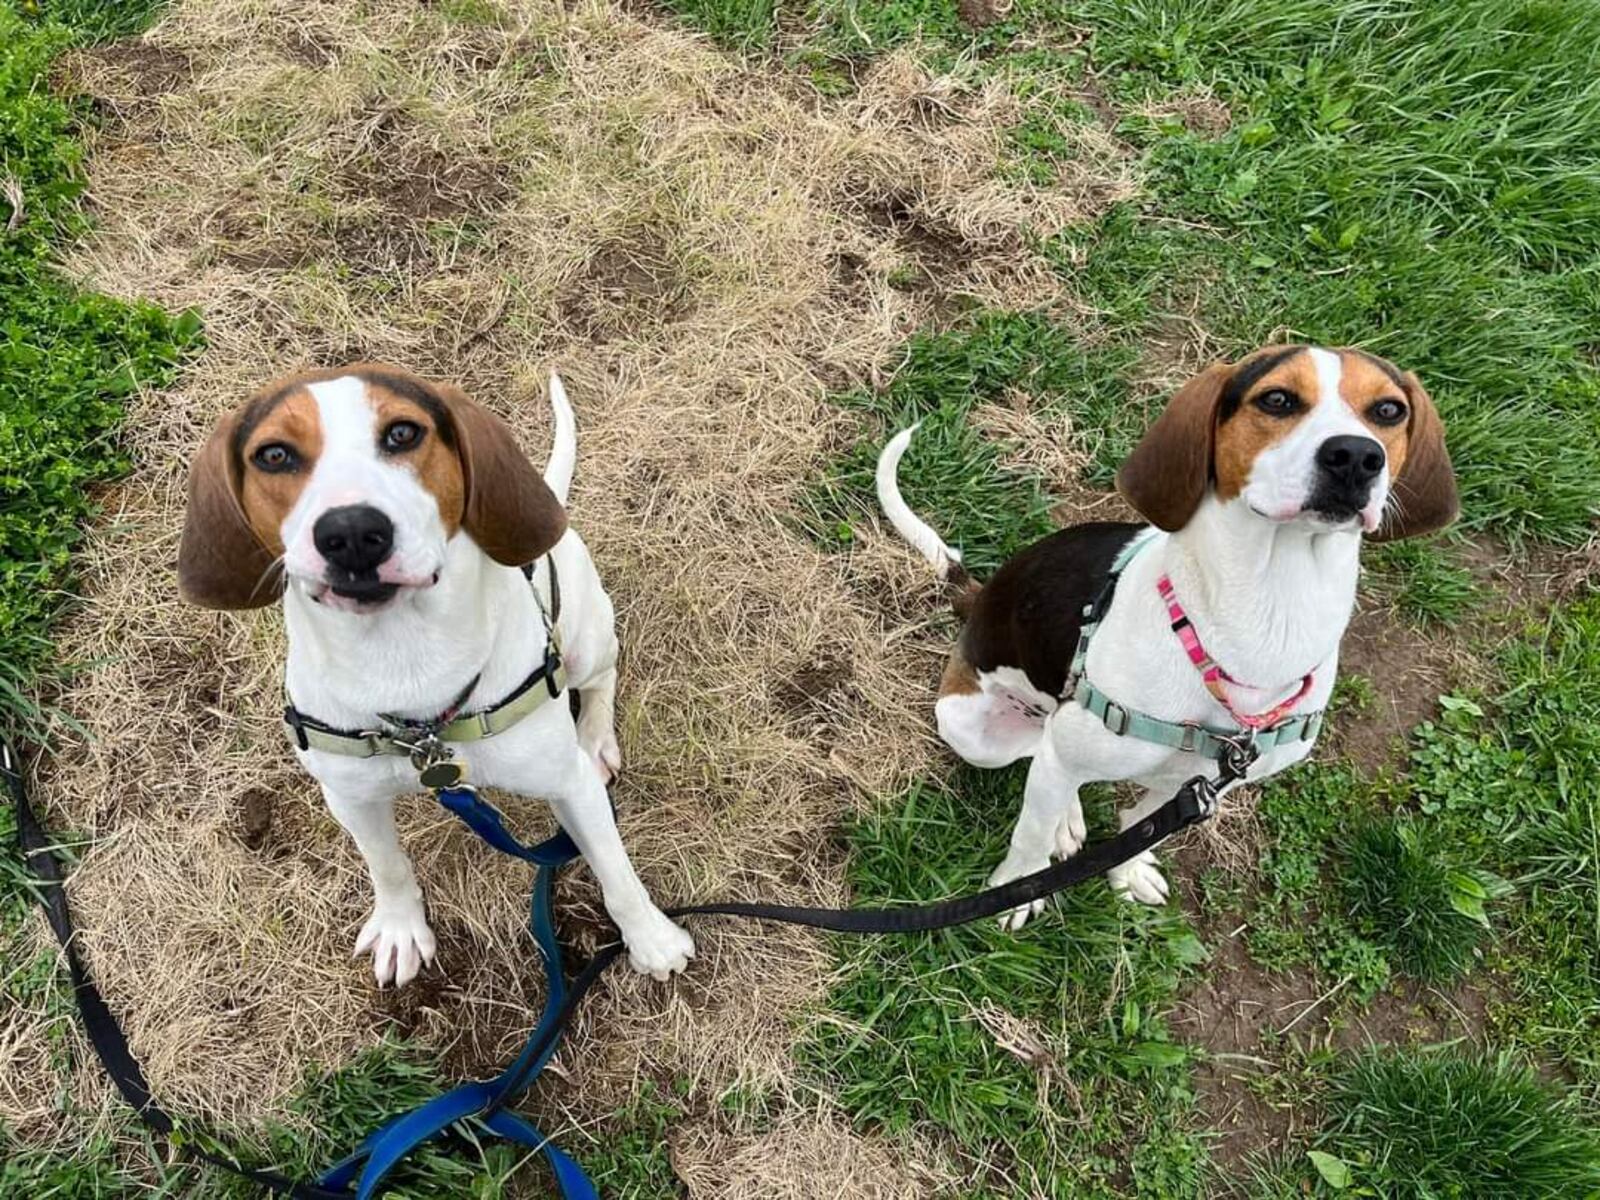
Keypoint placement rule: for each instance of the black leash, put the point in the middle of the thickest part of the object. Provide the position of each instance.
(1194, 802)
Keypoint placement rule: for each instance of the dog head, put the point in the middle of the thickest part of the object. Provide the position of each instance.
(1328, 439)
(353, 481)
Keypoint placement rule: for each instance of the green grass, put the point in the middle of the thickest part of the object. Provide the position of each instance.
(69, 360)
(1433, 1125)
(1406, 897)
(1099, 1097)
(951, 469)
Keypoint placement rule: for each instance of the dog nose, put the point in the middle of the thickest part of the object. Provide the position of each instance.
(356, 537)
(1352, 461)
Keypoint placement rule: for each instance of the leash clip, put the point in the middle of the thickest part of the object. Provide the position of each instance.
(1239, 753)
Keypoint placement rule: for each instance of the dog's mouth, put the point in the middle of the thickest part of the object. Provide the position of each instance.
(364, 592)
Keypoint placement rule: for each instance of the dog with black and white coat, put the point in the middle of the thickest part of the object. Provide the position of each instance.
(1259, 482)
(393, 515)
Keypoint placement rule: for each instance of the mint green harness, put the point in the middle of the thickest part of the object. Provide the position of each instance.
(1191, 738)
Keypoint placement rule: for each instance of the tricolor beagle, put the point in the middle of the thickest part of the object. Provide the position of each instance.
(1225, 617)
(393, 515)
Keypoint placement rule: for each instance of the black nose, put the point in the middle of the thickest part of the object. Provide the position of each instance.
(1351, 461)
(356, 537)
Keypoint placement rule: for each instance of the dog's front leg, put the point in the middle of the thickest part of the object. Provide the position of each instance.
(1051, 822)
(397, 933)
(656, 946)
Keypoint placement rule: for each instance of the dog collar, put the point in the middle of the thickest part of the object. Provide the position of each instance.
(1211, 672)
(423, 741)
(1219, 745)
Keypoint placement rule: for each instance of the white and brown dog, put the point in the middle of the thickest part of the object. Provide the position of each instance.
(393, 515)
(1259, 479)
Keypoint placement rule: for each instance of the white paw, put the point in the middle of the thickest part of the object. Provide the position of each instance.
(1071, 832)
(657, 947)
(1016, 866)
(1139, 879)
(398, 936)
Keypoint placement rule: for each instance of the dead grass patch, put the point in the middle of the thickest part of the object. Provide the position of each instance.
(806, 1156)
(573, 188)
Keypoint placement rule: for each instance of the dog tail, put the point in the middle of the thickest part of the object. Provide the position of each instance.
(564, 449)
(945, 559)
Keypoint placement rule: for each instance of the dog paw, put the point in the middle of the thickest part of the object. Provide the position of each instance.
(657, 947)
(1139, 879)
(399, 939)
(1015, 867)
(1071, 832)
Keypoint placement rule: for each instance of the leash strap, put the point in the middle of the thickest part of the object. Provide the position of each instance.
(368, 1166)
(99, 1023)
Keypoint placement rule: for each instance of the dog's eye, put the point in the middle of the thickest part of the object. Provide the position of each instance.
(1277, 402)
(1388, 412)
(402, 435)
(275, 457)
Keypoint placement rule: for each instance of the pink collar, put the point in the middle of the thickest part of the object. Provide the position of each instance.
(1212, 673)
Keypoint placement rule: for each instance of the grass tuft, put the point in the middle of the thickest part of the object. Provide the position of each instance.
(1408, 899)
(1439, 1124)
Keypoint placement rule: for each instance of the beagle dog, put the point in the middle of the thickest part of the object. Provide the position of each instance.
(394, 517)
(1217, 624)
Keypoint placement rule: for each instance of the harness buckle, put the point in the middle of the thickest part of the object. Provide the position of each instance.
(291, 718)
(1191, 738)
(552, 664)
(1122, 719)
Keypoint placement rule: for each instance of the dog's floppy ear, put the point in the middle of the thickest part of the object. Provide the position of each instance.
(1166, 476)
(509, 511)
(221, 561)
(1422, 498)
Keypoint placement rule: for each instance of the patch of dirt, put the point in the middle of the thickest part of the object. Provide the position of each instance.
(1408, 671)
(681, 232)
(308, 47)
(405, 170)
(627, 282)
(813, 684)
(255, 817)
(1231, 1007)
(980, 14)
(124, 74)
(1200, 112)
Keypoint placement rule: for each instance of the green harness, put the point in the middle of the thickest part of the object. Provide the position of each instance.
(1189, 737)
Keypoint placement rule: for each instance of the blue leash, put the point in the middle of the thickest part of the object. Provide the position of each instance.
(383, 1150)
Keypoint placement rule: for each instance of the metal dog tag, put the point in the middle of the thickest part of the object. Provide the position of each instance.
(443, 773)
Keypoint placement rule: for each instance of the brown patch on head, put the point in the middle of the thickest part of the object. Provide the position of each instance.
(435, 459)
(1244, 429)
(1422, 487)
(284, 417)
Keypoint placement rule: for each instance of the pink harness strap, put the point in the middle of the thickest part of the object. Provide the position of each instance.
(1211, 672)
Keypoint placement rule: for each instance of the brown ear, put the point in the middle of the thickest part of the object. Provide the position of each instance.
(509, 511)
(1422, 498)
(1165, 477)
(221, 562)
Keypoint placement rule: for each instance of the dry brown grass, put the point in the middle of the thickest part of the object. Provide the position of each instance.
(703, 248)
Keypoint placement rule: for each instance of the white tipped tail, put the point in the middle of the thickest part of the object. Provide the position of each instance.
(564, 447)
(910, 526)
